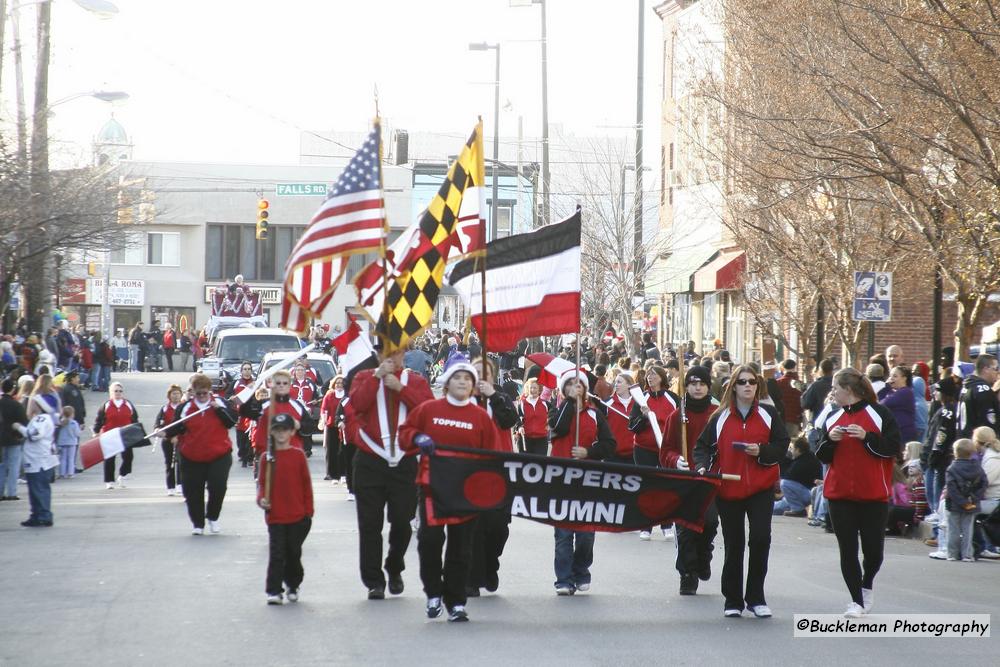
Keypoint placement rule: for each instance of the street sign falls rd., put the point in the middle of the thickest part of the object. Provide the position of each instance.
(300, 189)
(872, 296)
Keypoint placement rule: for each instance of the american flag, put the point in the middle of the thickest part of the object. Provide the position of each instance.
(350, 221)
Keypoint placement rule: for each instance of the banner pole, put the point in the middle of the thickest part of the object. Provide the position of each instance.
(684, 424)
(582, 396)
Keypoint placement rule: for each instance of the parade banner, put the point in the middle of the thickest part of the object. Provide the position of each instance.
(108, 444)
(573, 494)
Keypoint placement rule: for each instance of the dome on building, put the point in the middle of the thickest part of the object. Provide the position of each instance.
(112, 133)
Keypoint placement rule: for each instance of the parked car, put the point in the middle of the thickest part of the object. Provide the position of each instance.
(989, 348)
(234, 346)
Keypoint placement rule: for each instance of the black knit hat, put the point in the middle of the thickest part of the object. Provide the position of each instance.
(699, 372)
(948, 387)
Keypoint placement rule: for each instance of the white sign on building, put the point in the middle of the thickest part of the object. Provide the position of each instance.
(120, 292)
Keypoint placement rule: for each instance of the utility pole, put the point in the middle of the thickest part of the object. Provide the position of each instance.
(638, 259)
(546, 183)
(37, 290)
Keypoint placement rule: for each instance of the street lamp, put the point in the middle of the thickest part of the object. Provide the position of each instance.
(484, 46)
(545, 107)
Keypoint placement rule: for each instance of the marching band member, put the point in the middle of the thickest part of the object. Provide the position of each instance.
(244, 450)
(384, 473)
(574, 550)
(660, 404)
(332, 441)
(492, 528)
(747, 438)
(453, 420)
(258, 411)
(534, 415)
(206, 452)
(305, 390)
(619, 409)
(175, 396)
(118, 411)
(694, 549)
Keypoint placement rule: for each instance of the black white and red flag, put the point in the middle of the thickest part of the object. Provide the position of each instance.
(568, 493)
(532, 285)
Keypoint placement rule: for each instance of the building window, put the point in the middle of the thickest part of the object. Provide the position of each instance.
(710, 320)
(133, 253)
(681, 318)
(163, 249)
(504, 215)
(232, 250)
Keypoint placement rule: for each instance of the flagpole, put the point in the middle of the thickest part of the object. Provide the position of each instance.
(482, 272)
(382, 243)
(583, 392)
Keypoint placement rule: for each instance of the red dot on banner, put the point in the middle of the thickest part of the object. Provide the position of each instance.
(485, 488)
(654, 504)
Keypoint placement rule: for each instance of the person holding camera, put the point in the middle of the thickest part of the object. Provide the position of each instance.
(859, 440)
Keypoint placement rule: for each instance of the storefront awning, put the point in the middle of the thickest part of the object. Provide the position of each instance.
(673, 275)
(722, 273)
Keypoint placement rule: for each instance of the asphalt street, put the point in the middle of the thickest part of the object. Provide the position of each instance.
(119, 580)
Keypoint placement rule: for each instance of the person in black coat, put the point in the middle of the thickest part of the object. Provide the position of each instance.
(71, 395)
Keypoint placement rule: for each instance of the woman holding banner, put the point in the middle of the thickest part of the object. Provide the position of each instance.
(534, 414)
(575, 548)
(657, 403)
(694, 549)
(117, 411)
(747, 438)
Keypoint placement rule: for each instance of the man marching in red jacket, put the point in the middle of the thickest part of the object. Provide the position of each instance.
(384, 473)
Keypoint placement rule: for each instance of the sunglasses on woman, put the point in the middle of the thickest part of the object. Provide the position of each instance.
(751, 382)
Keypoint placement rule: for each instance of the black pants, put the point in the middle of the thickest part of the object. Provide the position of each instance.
(331, 441)
(169, 352)
(307, 444)
(284, 564)
(538, 446)
(382, 491)
(444, 580)
(852, 520)
(694, 549)
(244, 449)
(489, 536)
(347, 453)
(756, 510)
(125, 469)
(197, 476)
(173, 471)
(900, 517)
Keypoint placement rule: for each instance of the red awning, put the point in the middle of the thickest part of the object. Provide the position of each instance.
(722, 273)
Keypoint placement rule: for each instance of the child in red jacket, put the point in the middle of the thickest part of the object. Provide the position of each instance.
(285, 494)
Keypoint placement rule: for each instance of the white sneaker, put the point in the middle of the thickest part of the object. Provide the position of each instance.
(335, 482)
(121, 482)
(938, 555)
(986, 553)
(171, 492)
(293, 595)
(761, 611)
(275, 599)
(968, 560)
(213, 526)
(583, 588)
(197, 531)
(565, 589)
(350, 497)
(854, 610)
(932, 518)
(343, 480)
(645, 535)
(109, 486)
(668, 533)
(434, 607)
(868, 597)
(732, 613)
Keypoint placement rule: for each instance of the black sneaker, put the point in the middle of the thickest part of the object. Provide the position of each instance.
(705, 573)
(376, 593)
(396, 584)
(492, 582)
(689, 584)
(472, 591)
(457, 614)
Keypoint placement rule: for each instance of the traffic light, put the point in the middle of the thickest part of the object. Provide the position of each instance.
(91, 268)
(262, 214)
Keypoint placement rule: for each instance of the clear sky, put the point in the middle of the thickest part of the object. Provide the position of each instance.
(236, 80)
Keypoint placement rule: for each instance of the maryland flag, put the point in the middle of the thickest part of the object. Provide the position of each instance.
(452, 225)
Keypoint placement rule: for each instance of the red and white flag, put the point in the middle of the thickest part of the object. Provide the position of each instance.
(532, 285)
(110, 443)
(552, 368)
(354, 350)
(350, 221)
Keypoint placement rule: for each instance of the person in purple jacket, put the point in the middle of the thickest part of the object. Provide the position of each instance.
(900, 402)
